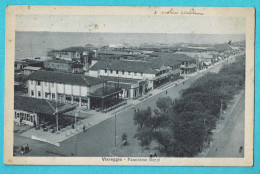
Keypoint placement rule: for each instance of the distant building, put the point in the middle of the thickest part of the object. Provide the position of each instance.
(188, 64)
(20, 64)
(64, 66)
(69, 55)
(72, 53)
(30, 69)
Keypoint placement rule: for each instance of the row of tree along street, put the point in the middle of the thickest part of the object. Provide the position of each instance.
(183, 126)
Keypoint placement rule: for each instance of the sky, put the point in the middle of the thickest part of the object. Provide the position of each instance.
(132, 24)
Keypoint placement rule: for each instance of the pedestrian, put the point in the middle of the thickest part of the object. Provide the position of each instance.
(151, 155)
(73, 126)
(155, 155)
(84, 128)
(27, 148)
(22, 150)
(166, 92)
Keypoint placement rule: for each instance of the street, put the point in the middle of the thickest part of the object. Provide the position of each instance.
(228, 140)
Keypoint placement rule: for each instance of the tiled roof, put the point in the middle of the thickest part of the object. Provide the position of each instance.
(172, 56)
(32, 68)
(161, 60)
(35, 105)
(106, 91)
(79, 49)
(122, 65)
(66, 78)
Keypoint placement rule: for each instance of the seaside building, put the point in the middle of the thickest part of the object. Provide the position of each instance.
(34, 111)
(85, 91)
(136, 77)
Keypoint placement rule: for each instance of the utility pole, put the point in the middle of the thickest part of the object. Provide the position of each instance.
(57, 117)
(115, 130)
(204, 125)
(76, 114)
(220, 108)
(220, 113)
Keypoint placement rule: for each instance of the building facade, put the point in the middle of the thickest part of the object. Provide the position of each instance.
(63, 87)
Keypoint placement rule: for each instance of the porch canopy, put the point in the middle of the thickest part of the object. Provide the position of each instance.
(105, 96)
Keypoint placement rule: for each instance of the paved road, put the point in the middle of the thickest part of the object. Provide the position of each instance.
(228, 141)
(37, 148)
(100, 139)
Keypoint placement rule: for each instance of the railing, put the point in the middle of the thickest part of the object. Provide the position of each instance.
(114, 107)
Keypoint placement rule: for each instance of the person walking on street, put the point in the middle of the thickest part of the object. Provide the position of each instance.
(151, 155)
(22, 150)
(84, 128)
(155, 155)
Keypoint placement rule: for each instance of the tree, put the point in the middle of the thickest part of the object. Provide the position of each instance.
(143, 134)
(164, 103)
(142, 116)
(166, 140)
(124, 136)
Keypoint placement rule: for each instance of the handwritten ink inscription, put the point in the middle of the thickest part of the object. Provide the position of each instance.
(182, 12)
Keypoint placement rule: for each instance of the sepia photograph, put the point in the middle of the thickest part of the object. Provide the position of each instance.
(129, 86)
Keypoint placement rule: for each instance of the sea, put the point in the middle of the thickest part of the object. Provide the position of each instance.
(37, 44)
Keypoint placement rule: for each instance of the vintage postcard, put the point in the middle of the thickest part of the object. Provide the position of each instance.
(140, 86)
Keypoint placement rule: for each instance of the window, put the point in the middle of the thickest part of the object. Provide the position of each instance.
(141, 74)
(105, 71)
(84, 101)
(68, 99)
(32, 93)
(129, 72)
(28, 117)
(15, 115)
(53, 96)
(32, 119)
(39, 93)
(135, 73)
(39, 83)
(111, 71)
(76, 100)
(123, 72)
(18, 115)
(46, 94)
(116, 71)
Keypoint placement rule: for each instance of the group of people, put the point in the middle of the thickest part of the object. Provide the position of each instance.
(25, 149)
(153, 155)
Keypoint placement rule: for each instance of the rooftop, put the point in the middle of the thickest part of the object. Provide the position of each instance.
(32, 68)
(35, 105)
(120, 80)
(66, 78)
(123, 65)
(78, 49)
